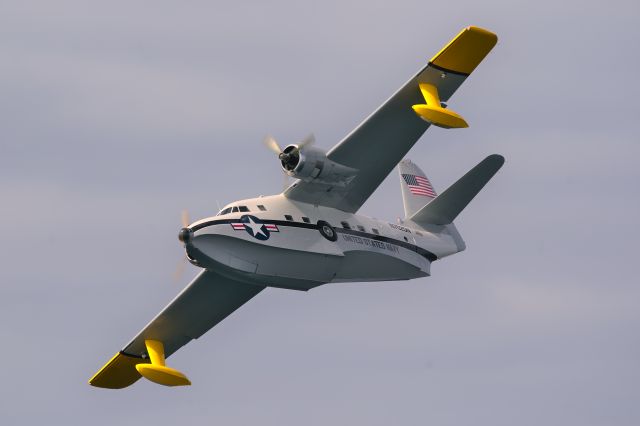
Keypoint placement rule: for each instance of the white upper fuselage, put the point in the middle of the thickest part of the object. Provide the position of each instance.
(278, 241)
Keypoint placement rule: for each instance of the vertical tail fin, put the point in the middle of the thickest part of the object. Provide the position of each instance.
(416, 188)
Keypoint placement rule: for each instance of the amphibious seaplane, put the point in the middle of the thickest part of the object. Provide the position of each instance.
(311, 234)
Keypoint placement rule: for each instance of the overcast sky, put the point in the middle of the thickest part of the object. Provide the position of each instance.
(117, 115)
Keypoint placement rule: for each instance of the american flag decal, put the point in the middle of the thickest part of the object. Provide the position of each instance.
(419, 185)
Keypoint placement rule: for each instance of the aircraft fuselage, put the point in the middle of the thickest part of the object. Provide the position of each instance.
(296, 245)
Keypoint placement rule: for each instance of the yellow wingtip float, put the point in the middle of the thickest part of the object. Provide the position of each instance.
(157, 371)
(461, 56)
(433, 112)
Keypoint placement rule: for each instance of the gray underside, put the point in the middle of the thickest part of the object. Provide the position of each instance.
(368, 266)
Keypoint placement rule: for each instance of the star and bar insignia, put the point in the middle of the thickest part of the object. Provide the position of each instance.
(255, 227)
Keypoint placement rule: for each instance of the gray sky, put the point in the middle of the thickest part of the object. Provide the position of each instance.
(116, 115)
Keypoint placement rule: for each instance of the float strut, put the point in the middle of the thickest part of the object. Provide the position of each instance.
(157, 371)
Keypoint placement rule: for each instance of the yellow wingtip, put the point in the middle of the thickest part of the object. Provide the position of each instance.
(119, 372)
(466, 50)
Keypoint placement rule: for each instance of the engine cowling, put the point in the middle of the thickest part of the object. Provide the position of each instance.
(312, 164)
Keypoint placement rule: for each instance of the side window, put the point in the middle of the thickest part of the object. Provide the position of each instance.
(288, 217)
(306, 219)
(234, 210)
(261, 207)
(345, 225)
(360, 228)
(244, 209)
(375, 231)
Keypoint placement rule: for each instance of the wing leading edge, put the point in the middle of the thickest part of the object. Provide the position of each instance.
(376, 146)
(206, 301)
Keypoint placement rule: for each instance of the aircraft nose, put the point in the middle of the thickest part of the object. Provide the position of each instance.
(185, 235)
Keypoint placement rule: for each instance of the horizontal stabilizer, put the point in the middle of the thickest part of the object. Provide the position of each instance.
(448, 205)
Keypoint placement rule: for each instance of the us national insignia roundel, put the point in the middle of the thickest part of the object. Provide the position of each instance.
(257, 228)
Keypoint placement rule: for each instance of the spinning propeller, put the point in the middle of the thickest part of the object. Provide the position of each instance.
(184, 218)
(184, 236)
(288, 156)
(291, 151)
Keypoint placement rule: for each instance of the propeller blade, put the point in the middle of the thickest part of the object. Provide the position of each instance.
(184, 216)
(309, 140)
(177, 275)
(271, 144)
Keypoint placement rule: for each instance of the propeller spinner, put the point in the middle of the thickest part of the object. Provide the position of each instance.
(184, 236)
(290, 155)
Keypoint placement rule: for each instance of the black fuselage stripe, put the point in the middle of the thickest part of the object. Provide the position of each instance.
(404, 244)
(268, 221)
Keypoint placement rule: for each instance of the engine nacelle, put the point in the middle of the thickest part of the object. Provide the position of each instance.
(312, 164)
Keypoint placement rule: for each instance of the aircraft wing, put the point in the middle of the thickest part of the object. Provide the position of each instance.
(376, 146)
(206, 301)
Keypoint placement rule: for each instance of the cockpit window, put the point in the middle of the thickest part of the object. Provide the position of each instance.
(234, 209)
(261, 207)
